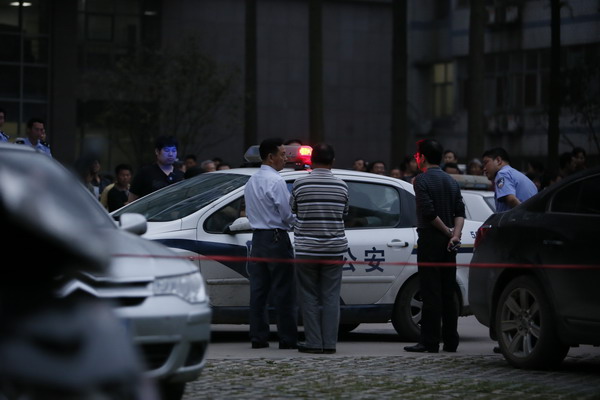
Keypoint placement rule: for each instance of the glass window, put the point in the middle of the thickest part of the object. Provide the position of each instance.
(372, 206)
(9, 18)
(106, 6)
(99, 27)
(36, 50)
(530, 94)
(184, 198)
(443, 89)
(35, 20)
(9, 81)
(581, 197)
(127, 31)
(35, 80)
(35, 110)
(11, 47)
(220, 220)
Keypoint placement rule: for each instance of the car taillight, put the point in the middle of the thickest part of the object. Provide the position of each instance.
(481, 233)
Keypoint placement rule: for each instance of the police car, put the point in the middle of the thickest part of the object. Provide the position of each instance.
(204, 218)
(478, 196)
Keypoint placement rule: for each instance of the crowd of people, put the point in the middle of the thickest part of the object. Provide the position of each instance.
(569, 163)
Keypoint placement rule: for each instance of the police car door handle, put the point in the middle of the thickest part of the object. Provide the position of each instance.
(397, 243)
(553, 242)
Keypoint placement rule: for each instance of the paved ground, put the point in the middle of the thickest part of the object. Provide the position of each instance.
(371, 364)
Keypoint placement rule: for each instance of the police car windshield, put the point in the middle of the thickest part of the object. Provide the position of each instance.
(184, 198)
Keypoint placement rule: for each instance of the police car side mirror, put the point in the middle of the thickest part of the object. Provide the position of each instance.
(133, 223)
(239, 225)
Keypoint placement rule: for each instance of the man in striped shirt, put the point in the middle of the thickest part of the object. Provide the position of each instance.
(440, 219)
(320, 201)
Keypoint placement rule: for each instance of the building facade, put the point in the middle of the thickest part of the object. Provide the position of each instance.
(49, 45)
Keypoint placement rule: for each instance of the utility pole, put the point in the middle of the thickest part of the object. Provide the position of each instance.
(250, 119)
(399, 112)
(554, 98)
(476, 134)
(315, 85)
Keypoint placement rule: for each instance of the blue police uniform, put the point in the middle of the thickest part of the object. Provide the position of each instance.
(510, 181)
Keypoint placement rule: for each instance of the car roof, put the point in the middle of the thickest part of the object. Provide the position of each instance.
(346, 173)
(482, 193)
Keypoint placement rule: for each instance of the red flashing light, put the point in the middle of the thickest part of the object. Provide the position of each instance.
(305, 154)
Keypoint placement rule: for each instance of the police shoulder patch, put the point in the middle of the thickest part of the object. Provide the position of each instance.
(500, 182)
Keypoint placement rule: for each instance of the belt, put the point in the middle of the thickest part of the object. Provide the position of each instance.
(269, 230)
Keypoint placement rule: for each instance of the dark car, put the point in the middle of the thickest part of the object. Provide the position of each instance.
(545, 297)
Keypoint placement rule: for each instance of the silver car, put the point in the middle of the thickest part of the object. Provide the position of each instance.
(160, 297)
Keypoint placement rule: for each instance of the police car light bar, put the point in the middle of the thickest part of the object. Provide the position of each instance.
(298, 156)
(479, 182)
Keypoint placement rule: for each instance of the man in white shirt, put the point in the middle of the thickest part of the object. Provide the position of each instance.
(270, 216)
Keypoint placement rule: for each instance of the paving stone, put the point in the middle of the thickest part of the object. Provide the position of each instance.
(421, 377)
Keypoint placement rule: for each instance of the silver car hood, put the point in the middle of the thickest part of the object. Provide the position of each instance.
(135, 257)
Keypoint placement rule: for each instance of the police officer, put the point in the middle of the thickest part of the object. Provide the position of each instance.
(511, 187)
(35, 133)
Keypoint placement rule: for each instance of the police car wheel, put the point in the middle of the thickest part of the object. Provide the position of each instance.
(406, 314)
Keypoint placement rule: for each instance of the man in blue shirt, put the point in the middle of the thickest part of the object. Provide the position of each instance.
(3, 136)
(35, 132)
(511, 187)
(270, 216)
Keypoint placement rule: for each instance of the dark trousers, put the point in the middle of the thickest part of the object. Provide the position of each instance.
(438, 290)
(272, 282)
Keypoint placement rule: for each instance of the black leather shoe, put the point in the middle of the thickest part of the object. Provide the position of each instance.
(421, 348)
(328, 351)
(260, 345)
(449, 349)
(497, 350)
(303, 349)
(288, 346)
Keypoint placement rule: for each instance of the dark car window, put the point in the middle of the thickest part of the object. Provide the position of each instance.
(372, 205)
(185, 197)
(581, 197)
(220, 220)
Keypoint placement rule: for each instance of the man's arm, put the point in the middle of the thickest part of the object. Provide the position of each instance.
(511, 200)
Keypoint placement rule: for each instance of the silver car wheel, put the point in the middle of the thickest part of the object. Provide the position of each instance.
(526, 326)
(520, 322)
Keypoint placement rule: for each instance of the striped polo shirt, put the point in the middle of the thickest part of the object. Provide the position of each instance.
(320, 201)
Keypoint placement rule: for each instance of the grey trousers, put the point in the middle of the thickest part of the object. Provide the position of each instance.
(319, 286)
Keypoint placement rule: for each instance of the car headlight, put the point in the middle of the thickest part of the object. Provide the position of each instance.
(189, 287)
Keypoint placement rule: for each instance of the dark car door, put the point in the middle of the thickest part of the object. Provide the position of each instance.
(569, 236)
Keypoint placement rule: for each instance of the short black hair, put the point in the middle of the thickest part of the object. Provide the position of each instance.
(452, 165)
(497, 152)
(122, 167)
(33, 121)
(269, 146)
(323, 154)
(431, 149)
(190, 157)
(165, 141)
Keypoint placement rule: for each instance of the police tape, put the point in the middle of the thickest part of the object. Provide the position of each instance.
(223, 258)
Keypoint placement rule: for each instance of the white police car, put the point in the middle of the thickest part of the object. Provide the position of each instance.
(204, 216)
